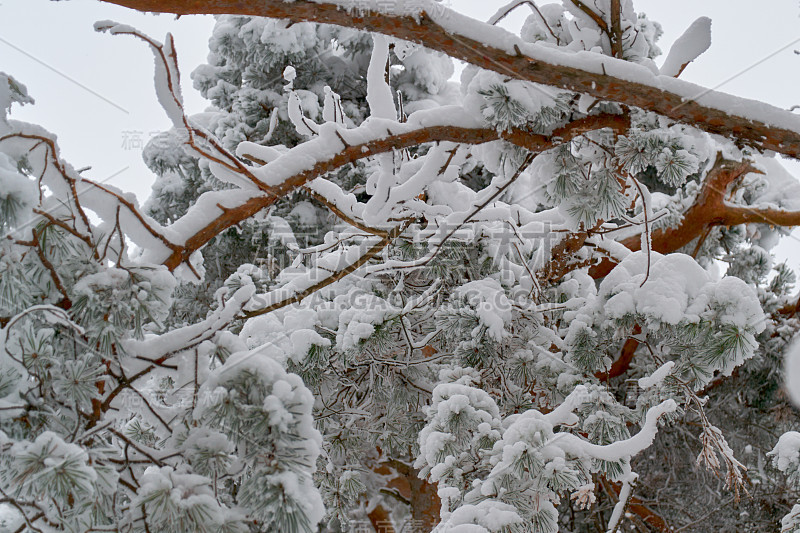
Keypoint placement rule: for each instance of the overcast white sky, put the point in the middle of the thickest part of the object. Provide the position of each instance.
(96, 93)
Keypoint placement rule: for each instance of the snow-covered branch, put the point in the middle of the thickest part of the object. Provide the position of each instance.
(709, 209)
(438, 28)
(336, 147)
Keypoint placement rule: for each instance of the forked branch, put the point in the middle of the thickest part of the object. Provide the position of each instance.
(709, 209)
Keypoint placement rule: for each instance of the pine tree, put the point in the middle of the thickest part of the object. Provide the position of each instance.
(360, 295)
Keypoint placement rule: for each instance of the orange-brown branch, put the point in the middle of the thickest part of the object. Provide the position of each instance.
(620, 366)
(352, 153)
(709, 209)
(423, 29)
(381, 520)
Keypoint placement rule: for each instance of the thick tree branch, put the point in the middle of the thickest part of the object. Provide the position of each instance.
(589, 12)
(381, 520)
(352, 153)
(492, 48)
(616, 28)
(709, 209)
(735, 214)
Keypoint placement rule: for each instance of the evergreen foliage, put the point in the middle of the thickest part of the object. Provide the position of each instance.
(462, 377)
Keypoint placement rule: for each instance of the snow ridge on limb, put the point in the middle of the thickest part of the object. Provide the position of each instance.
(694, 41)
(749, 122)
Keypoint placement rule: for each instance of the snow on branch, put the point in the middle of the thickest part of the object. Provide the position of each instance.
(688, 47)
(76, 193)
(429, 23)
(336, 146)
(307, 285)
